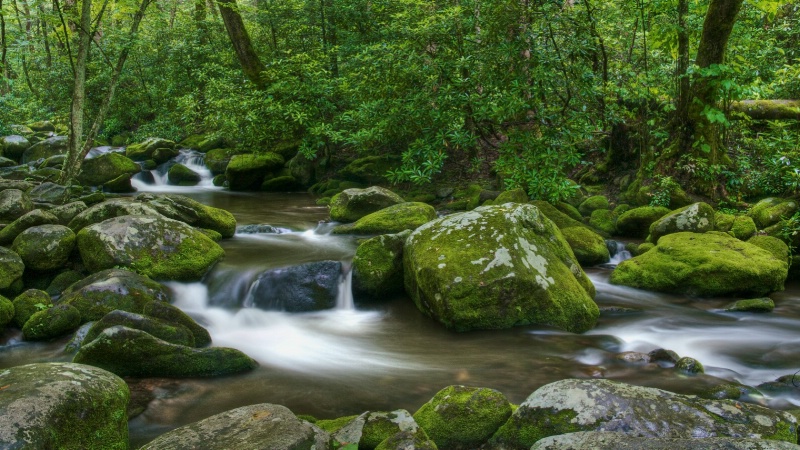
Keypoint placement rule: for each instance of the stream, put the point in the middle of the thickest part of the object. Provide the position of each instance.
(386, 355)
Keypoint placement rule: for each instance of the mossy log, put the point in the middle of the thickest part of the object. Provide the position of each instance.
(766, 109)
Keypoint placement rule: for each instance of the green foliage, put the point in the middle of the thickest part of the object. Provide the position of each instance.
(663, 187)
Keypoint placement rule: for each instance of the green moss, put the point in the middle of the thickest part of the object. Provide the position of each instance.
(182, 176)
(217, 160)
(593, 203)
(6, 312)
(644, 248)
(462, 417)
(248, 171)
(11, 268)
(785, 431)
(771, 244)
(569, 210)
(169, 332)
(689, 366)
(764, 304)
(770, 211)
(376, 430)
(172, 314)
(351, 205)
(603, 220)
(589, 247)
(529, 425)
(44, 247)
(636, 222)
(378, 265)
(334, 425)
(52, 323)
(98, 171)
(285, 183)
(515, 196)
(28, 303)
(394, 219)
(324, 201)
(471, 196)
(560, 219)
(743, 228)
(408, 440)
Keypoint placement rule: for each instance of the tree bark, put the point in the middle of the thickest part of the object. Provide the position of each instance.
(3, 52)
(767, 109)
(242, 45)
(75, 139)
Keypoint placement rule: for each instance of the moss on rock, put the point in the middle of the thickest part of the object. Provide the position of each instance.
(394, 219)
(173, 333)
(636, 222)
(378, 265)
(589, 247)
(247, 172)
(104, 168)
(770, 211)
(761, 305)
(172, 314)
(6, 312)
(353, 204)
(52, 323)
(181, 175)
(517, 195)
(29, 303)
(593, 203)
(44, 247)
(30, 219)
(697, 218)
(777, 247)
(192, 212)
(603, 220)
(11, 268)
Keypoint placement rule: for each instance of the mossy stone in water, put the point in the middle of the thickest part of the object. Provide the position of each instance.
(104, 168)
(173, 333)
(763, 304)
(394, 219)
(603, 220)
(353, 204)
(29, 303)
(589, 247)
(173, 314)
(192, 212)
(378, 265)
(246, 172)
(697, 218)
(52, 323)
(593, 203)
(689, 366)
(460, 417)
(705, 265)
(369, 429)
(181, 175)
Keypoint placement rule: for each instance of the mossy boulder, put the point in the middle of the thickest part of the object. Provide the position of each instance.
(103, 292)
(604, 440)
(771, 210)
(603, 220)
(135, 353)
(6, 312)
(54, 194)
(217, 160)
(104, 168)
(144, 150)
(589, 247)
(62, 281)
(635, 223)
(462, 418)
(408, 440)
(173, 333)
(261, 426)
(203, 142)
(14, 146)
(281, 183)
(777, 247)
(369, 429)
(29, 303)
(378, 266)
(162, 155)
(14, 204)
(173, 315)
(247, 172)
(44, 247)
(181, 175)
(51, 323)
(369, 169)
(302, 169)
(353, 204)
(559, 218)
(192, 212)
(705, 265)
(496, 267)
(11, 268)
(42, 125)
(572, 405)
(697, 218)
(110, 209)
(763, 304)
(741, 227)
(157, 247)
(514, 196)
(593, 203)
(63, 406)
(65, 213)
(394, 219)
(689, 366)
(56, 145)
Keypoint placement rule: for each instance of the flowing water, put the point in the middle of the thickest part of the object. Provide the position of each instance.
(386, 355)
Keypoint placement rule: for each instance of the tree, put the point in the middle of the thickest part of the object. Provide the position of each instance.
(251, 64)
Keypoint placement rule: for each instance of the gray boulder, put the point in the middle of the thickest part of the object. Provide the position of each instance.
(56, 145)
(306, 287)
(192, 212)
(110, 209)
(601, 440)
(44, 247)
(13, 204)
(262, 426)
(697, 218)
(173, 333)
(11, 268)
(62, 406)
(353, 204)
(14, 146)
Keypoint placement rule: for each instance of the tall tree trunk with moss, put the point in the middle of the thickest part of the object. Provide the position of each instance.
(242, 45)
(75, 140)
(4, 72)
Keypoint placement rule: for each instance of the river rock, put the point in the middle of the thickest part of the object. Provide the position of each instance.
(306, 287)
(62, 406)
(107, 290)
(247, 172)
(14, 146)
(62, 281)
(11, 268)
(108, 210)
(635, 223)
(56, 145)
(593, 203)
(173, 333)
(29, 303)
(394, 219)
(44, 247)
(192, 212)
(740, 227)
(135, 353)
(181, 175)
(174, 315)
(604, 221)
(378, 265)
(6, 312)
(369, 429)
(496, 267)
(369, 169)
(53, 193)
(770, 211)
(697, 218)
(407, 440)
(602, 440)
(761, 305)
(777, 247)
(463, 418)
(603, 405)
(144, 150)
(589, 247)
(14, 204)
(158, 247)
(353, 204)
(42, 125)
(706, 265)
(51, 323)
(217, 160)
(107, 167)
(262, 426)
(65, 213)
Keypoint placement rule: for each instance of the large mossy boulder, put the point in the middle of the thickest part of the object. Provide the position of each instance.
(181, 175)
(705, 265)
(56, 145)
(635, 223)
(697, 218)
(11, 268)
(573, 405)
(378, 265)
(192, 212)
(463, 418)
(604, 440)
(144, 150)
(305, 287)
(173, 333)
(394, 219)
(261, 426)
(128, 352)
(14, 146)
(771, 210)
(51, 323)
(103, 292)
(497, 267)
(14, 204)
(107, 167)
(369, 429)
(110, 209)
(174, 315)
(589, 247)
(160, 248)
(247, 172)
(353, 204)
(63, 406)
(44, 247)
(592, 204)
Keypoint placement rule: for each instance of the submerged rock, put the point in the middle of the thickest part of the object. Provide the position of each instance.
(306, 287)
(496, 267)
(62, 406)
(763, 304)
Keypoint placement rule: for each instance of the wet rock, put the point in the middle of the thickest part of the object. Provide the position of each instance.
(281, 183)
(589, 247)
(53, 193)
(689, 366)
(306, 287)
(705, 265)
(600, 440)
(14, 146)
(496, 267)
(407, 440)
(182, 176)
(51, 323)
(192, 212)
(571, 405)
(770, 211)
(593, 203)
(661, 355)
(163, 154)
(763, 304)
(697, 218)
(217, 160)
(378, 265)
(637, 358)
(174, 315)
(144, 150)
(353, 204)
(11, 268)
(105, 168)
(773, 245)
(62, 406)
(6, 312)
(28, 220)
(56, 145)
(14, 204)
(108, 210)
(44, 247)
(62, 281)
(173, 333)
(247, 172)
(394, 219)
(29, 303)
(369, 429)
(157, 247)
(261, 229)
(262, 426)
(460, 417)
(65, 213)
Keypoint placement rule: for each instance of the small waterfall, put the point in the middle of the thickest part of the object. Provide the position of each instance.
(618, 252)
(344, 298)
(157, 179)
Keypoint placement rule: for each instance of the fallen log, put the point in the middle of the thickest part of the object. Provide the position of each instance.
(766, 109)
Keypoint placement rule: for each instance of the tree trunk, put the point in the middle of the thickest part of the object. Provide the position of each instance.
(242, 45)
(767, 109)
(79, 88)
(682, 69)
(3, 52)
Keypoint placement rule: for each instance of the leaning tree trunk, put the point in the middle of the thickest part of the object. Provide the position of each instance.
(766, 109)
(75, 139)
(242, 45)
